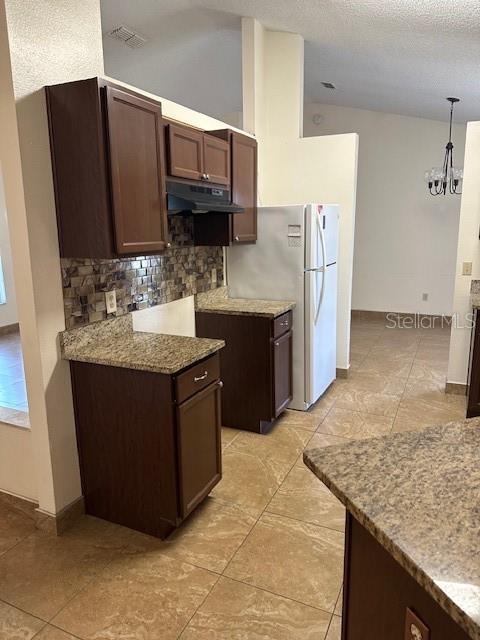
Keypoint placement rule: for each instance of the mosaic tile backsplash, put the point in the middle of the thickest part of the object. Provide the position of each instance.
(140, 282)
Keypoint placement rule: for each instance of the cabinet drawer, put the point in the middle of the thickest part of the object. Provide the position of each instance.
(197, 377)
(282, 324)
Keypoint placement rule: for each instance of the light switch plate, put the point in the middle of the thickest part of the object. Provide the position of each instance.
(467, 269)
(111, 301)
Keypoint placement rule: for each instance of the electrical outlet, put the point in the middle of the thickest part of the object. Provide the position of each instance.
(467, 269)
(424, 297)
(111, 301)
(214, 276)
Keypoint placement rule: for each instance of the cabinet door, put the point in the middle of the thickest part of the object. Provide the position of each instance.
(185, 152)
(216, 160)
(137, 179)
(199, 447)
(244, 187)
(282, 371)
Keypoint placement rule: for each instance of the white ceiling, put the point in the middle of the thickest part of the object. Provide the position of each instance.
(398, 56)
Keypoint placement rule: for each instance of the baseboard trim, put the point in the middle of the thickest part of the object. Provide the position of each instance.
(342, 373)
(360, 314)
(456, 388)
(9, 328)
(63, 520)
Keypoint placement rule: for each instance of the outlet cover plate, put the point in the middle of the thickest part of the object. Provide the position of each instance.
(467, 269)
(111, 301)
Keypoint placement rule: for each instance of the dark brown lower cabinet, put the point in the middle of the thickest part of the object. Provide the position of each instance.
(473, 387)
(378, 593)
(149, 443)
(256, 366)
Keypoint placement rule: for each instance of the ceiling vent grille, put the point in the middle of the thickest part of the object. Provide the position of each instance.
(128, 36)
(329, 85)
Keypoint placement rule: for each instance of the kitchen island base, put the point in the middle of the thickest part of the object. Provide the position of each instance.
(379, 592)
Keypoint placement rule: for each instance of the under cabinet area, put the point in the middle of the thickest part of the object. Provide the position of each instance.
(256, 366)
(106, 146)
(149, 443)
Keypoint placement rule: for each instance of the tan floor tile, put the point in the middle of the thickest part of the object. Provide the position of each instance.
(339, 605)
(228, 436)
(211, 535)
(302, 496)
(423, 370)
(353, 424)
(416, 414)
(17, 625)
(362, 381)
(43, 572)
(283, 444)
(368, 402)
(14, 526)
(323, 405)
(144, 595)
(388, 366)
(52, 633)
(236, 611)
(335, 629)
(319, 441)
(249, 480)
(293, 559)
(299, 420)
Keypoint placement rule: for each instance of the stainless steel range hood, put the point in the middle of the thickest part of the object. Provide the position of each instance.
(183, 197)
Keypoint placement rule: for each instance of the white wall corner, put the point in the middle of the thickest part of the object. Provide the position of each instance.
(468, 251)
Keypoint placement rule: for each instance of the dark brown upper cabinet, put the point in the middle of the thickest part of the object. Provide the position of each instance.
(216, 160)
(234, 228)
(194, 155)
(244, 187)
(185, 156)
(108, 171)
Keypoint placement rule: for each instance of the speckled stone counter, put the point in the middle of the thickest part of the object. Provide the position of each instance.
(115, 344)
(418, 494)
(475, 294)
(218, 301)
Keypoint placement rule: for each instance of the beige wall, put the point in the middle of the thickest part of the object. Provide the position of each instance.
(293, 169)
(468, 250)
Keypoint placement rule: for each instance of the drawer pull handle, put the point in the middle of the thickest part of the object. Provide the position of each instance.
(198, 378)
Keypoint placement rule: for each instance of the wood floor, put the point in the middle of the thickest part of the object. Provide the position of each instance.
(262, 557)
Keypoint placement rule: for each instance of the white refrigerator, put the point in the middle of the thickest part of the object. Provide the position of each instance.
(295, 258)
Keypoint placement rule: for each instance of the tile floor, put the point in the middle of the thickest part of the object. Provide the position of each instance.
(13, 394)
(262, 557)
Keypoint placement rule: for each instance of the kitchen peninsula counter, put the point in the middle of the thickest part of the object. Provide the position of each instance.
(415, 496)
(114, 343)
(218, 301)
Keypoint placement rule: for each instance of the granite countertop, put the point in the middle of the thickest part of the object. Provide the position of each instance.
(114, 343)
(218, 301)
(418, 494)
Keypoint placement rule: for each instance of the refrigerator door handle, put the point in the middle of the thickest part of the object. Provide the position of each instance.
(324, 256)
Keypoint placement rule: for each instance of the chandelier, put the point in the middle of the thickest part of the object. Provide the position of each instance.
(447, 177)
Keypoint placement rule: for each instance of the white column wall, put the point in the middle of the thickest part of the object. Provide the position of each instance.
(293, 169)
(468, 251)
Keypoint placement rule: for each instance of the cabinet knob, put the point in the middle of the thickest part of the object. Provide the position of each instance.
(207, 176)
(220, 384)
(169, 244)
(237, 238)
(277, 344)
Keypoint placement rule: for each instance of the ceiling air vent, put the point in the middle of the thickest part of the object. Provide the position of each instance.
(128, 36)
(329, 85)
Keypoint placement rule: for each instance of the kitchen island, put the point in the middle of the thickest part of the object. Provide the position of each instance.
(412, 557)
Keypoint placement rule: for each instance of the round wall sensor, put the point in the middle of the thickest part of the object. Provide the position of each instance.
(317, 118)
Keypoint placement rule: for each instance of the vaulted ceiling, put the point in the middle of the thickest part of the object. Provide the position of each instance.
(397, 56)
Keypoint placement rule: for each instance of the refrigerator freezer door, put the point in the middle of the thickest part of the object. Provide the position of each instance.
(320, 335)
